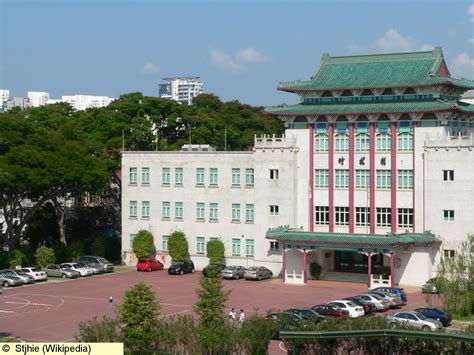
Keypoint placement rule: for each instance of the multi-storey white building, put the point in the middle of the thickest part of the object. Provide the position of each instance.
(376, 169)
(38, 98)
(4, 96)
(83, 102)
(181, 89)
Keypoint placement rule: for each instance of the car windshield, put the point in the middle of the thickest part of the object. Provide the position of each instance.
(76, 265)
(102, 260)
(252, 268)
(65, 266)
(177, 263)
(20, 272)
(142, 260)
(421, 316)
(8, 273)
(231, 268)
(377, 297)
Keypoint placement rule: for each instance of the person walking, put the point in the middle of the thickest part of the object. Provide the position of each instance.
(241, 317)
(232, 315)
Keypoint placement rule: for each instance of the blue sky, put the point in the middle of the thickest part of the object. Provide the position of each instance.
(240, 49)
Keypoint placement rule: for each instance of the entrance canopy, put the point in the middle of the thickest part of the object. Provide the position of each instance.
(373, 243)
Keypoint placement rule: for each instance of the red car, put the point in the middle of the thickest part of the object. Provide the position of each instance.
(148, 264)
(327, 310)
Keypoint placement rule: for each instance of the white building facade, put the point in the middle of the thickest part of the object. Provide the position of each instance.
(83, 102)
(38, 98)
(181, 89)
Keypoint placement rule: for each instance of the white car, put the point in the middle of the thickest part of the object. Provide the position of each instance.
(355, 311)
(38, 275)
(380, 303)
(82, 270)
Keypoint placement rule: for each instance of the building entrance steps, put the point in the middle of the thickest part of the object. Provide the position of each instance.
(345, 277)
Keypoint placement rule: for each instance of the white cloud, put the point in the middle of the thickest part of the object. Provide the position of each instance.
(427, 47)
(149, 69)
(251, 55)
(470, 12)
(393, 41)
(463, 66)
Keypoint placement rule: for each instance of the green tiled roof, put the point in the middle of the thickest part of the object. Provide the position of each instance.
(377, 71)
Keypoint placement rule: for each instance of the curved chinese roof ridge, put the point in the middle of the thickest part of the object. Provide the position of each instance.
(390, 70)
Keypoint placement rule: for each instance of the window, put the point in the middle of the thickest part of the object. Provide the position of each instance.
(145, 176)
(341, 216)
(405, 179)
(249, 177)
(200, 211)
(145, 209)
(362, 216)
(235, 247)
(405, 142)
(448, 175)
(342, 178)
(164, 243)
(274, 247)
(133, 176)
(201, 245)
(449, 253)
(405, 217)
(236, 177)
(178, 176)
(165, 209)
(384, 217)
(342, 142)
(214, 212)
(132, 238)
(133, 209)
(236, 212)
(362, 142)
(273, 174)
(383, 142)
(200, 177)
(249, 213)
(321, 143)
(448, 215)
(165, 176)
(213, 177)
(321, 215)
(249, 247)
(178, 210)
(321, 178)
(384, 179)
(274, 210)
(362, 178)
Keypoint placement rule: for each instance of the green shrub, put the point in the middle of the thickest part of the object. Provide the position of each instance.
(93, 331)
(98, 246)
(215, 250)
(4, 259)
(113, 248)
(44, 256)
(17, 258)
(255, 335)
(178, 246)
(143, 246)
(74, 250)
(315, 270)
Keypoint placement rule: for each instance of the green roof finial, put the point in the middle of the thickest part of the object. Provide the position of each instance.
(325, 57)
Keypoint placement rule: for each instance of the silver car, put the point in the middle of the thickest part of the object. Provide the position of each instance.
(23, 276)
(92, 260)
(37, 274)
(56, 271)
(96, 270)
(82, 270)
(392, 299)
(258, 273)
(8, 279)
(380, 303)
(233, 272)
(414, 319)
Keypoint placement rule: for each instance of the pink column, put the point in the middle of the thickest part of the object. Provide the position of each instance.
(311, 178)
(372, 178)
(369, 271)
(283, 272)
(331, 176)
(392, 275)
(351, 177)
(413, 155)
(393, 159)
(305, 267)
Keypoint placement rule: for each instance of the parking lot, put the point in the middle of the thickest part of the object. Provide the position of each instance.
(52, 311)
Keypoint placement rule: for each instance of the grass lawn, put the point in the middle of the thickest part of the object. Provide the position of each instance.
(8, 340)
(469, 317)
(123, 268)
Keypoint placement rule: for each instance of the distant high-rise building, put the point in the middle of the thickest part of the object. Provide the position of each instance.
(182, 89)
(83, 102)
(16, 102)
(4, 96)
(38, 98)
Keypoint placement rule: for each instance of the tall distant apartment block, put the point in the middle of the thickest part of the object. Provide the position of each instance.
(38, 98)
(181, 89)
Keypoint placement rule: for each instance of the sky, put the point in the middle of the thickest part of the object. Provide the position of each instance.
(240, 49)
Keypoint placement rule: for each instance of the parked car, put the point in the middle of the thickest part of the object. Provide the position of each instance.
(286, 321)
(307, 314)
(96, 270)
(56, 271)
(214, 268)
(233, 272)
(149, 264)
(8, 279)
(369, 307)
(82, 270)
(437, 314)
(181, 267)
(99, 261)
(355, 311)
(23, 276)
(380, 303)
(397, 291)
(429, 286)
(414, 319)
(38, 275)
(258, 273)
(327, 310)
(394, 301)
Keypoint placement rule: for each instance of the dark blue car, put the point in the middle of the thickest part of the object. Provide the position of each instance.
(435, 313)
(397, 291)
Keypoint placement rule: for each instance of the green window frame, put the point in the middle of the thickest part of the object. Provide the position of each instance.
(166, 176)
(341, 142)
(145, 209)
(362, 178)
(133, 176)
(362, 142)
(200, 245)
(405, 142)
(132, 238)
(214, 211)
(200, 177)
(200, 211)
(178, 176)
(133, 209)
(235, 247)
(321, 178)
(164, 242)
(405, 179)
(236, 212)
(178, 210)
(213, 177)
(249, 247)
(341, 178)
(321, 142)
(145, 176)
(383, 142)
(384, 179)
(235, 177)
(166, 209)
(249, 177)
(249, 213)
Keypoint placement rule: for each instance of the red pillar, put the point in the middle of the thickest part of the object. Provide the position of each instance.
(372, 178)
(392, 276)
(283, 272)
(393, 160)
(305, 267)
(413, 169)
(331, 176)
(351, 177)
(369, 266)
(311, 178)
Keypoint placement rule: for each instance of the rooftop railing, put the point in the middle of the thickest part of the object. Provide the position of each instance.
(274, 142)
(461, 141)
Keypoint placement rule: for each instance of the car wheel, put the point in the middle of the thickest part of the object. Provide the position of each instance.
(181, 272)
(259, 277)
(393, 325)
(426, 328)
(64, 276)
(193, 271)
(149, 269)
(5, 284)
(237, 276)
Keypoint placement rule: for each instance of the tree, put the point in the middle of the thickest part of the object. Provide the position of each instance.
(178, 245)
(143, 246)
(215, 250)
(44, 256)
(94, 331)
(17, 258)
(138, 316)
(98, 246)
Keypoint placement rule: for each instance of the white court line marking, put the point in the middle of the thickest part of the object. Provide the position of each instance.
(175, 313)
(24, 304)
(41, 304)
(281, 345)
(7, 311)
(11, 302)
(78, 297)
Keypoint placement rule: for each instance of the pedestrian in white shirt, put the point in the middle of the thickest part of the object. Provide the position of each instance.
(232, 315)
(241, 317)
